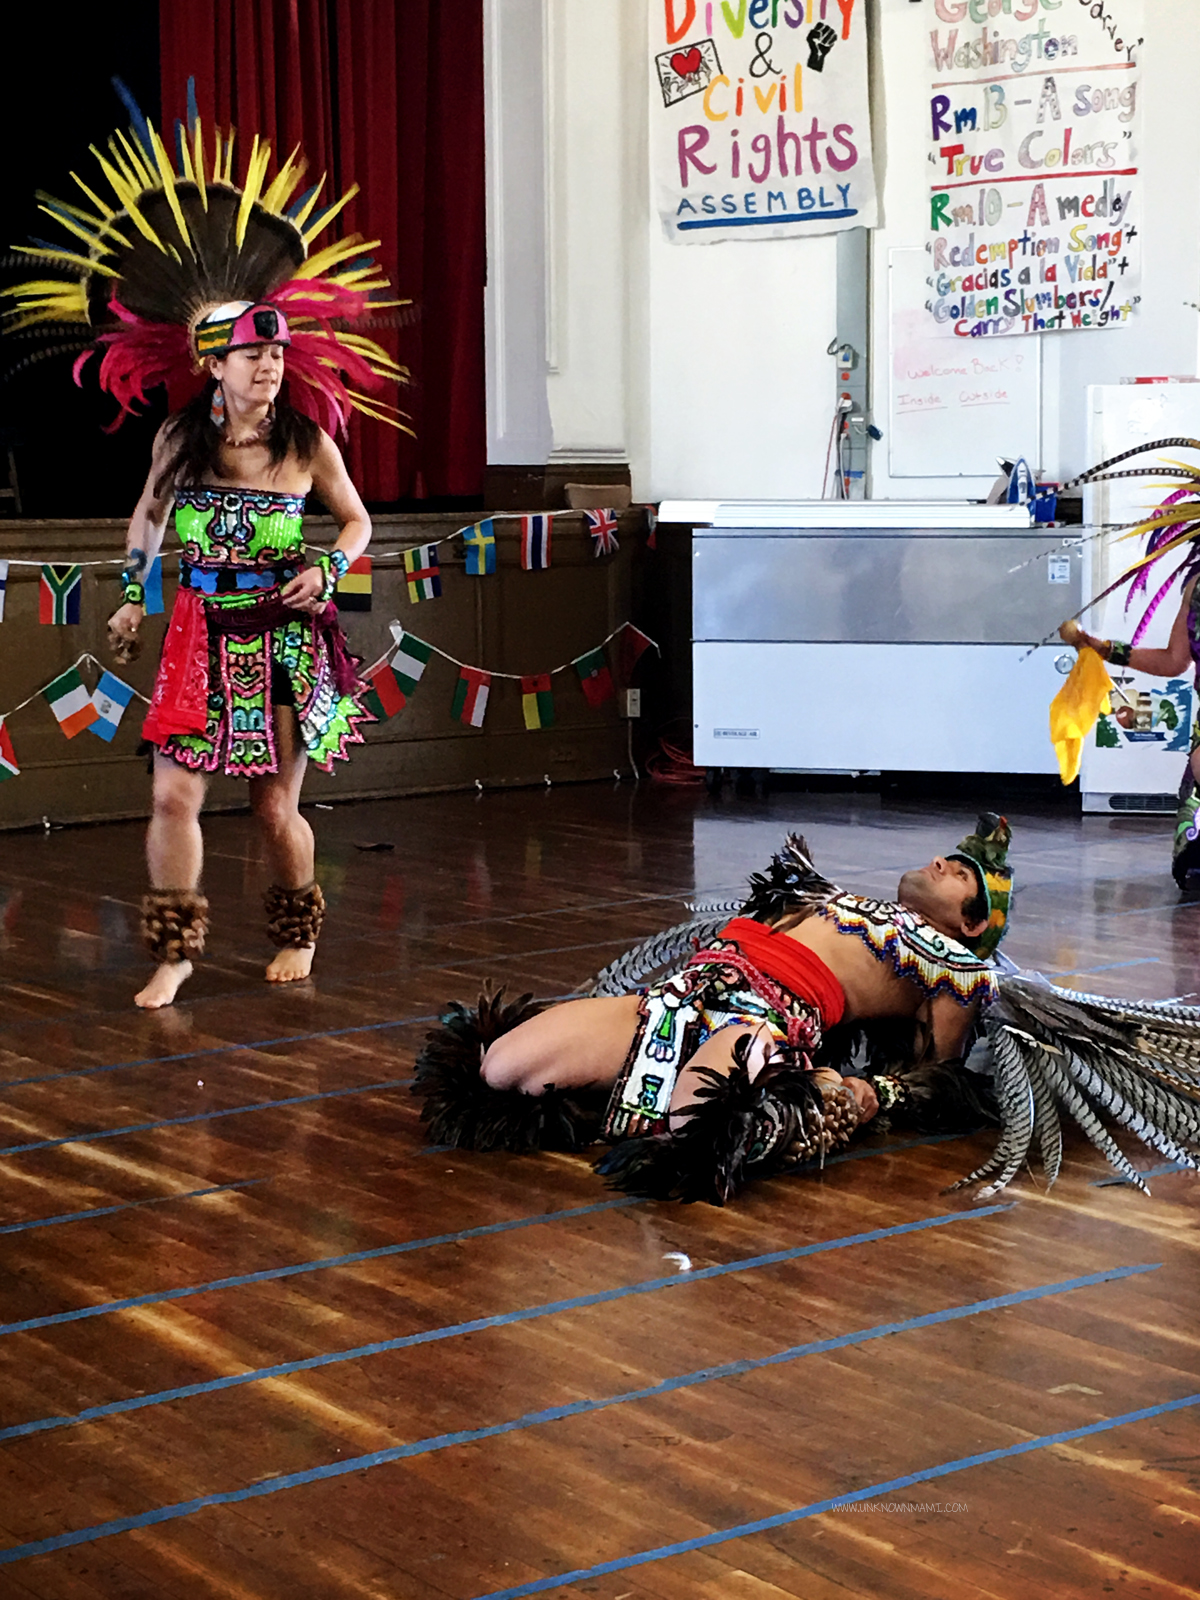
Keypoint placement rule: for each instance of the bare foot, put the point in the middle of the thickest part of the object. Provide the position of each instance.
(163, 986)
(292, 965)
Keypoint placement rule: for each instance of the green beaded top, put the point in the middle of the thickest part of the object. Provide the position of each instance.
(238, 527)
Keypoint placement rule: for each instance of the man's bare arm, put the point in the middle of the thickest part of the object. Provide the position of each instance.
(951, 1024)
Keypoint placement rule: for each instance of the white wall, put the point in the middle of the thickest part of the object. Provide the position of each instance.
(705, 366)
(518, 416)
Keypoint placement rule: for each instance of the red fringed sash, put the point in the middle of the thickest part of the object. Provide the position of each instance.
(180, 700)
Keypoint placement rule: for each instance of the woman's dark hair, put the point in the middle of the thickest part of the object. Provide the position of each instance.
(195, 440)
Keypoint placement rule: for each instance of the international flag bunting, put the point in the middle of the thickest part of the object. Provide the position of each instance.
(535, 541)
(58, 597)
(410, 660)
(471, 696)
(110, 697)
(602, 525)
(537, 701)
(70, 702)
(385, 696)
(631, 647)
(353, 592)
(8, 761)
(422, 573)
(480, 543)
(3, 586)
(595, 678)
(153, 588)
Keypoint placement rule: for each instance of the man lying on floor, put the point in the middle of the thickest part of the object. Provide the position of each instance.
(717, 1073)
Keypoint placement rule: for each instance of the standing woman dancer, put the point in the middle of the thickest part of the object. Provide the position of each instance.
(192, 282)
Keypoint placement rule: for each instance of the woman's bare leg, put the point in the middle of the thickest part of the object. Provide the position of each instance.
(575, 1045)
(275, 801)
(175, 856)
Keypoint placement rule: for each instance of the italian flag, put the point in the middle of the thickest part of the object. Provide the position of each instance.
(410, 660)
(8, 761)
(70, 703)
(471, 697)
(537, 701)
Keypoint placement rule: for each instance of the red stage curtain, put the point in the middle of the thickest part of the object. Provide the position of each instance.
(387, 94)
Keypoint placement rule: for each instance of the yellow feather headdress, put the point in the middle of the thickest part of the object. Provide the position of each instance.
(163, 241)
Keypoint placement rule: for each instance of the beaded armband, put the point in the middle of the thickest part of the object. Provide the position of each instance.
(335, 565)
(1119, 653)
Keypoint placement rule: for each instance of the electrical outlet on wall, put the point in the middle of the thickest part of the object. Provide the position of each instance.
(631, 703)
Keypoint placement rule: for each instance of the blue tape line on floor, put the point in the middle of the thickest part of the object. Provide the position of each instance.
(785, 1519)
(317, 1264)
(503, 1319)
(127, 1205)
(201, 1116)
(1145, 1172)
(533, 1419)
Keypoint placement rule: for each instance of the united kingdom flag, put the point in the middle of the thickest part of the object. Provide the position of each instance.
(602, 525)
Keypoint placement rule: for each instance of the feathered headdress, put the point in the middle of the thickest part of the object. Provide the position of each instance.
(1173, 526)
(163, 243)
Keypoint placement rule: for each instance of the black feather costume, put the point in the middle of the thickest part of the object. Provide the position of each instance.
(1132, 1064)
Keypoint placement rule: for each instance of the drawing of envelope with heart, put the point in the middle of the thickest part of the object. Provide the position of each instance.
(686, 71)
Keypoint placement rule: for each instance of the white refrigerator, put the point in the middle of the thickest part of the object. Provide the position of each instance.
(1135, 758)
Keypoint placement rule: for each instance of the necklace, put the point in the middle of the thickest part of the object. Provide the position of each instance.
(259, 436)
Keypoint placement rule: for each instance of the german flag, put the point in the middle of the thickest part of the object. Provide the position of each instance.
(353, 592)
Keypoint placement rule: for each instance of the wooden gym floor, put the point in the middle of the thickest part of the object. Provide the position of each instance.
(260, 1340)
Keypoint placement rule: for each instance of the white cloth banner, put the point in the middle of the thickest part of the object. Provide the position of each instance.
(1035, 197)
(759, 121)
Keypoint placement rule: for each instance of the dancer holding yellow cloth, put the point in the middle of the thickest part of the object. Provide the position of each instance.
(1078, 704)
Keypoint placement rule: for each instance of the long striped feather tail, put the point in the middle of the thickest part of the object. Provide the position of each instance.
(1107, 1065)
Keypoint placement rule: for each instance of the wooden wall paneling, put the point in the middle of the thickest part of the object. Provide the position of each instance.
(515, 621)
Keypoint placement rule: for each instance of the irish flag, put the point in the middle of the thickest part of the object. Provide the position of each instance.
(537, 701)
(70, 703)
(471, 696)
(8, 761)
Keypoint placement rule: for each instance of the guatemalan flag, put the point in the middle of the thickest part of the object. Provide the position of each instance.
(535, 541)
(110, 697)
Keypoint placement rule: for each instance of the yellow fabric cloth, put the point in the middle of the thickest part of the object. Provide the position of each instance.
(1075, 708)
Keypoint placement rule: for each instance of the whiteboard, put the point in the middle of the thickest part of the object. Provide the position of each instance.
(955, 405)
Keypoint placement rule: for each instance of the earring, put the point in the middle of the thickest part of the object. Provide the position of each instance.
(216, 413)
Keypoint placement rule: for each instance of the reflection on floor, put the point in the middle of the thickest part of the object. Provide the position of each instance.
(260, 1340)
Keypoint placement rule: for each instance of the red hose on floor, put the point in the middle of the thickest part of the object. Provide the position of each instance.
(669, 764)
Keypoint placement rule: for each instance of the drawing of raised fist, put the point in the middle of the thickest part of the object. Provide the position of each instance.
(820, 42)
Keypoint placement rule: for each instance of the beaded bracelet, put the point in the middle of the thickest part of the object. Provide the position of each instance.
(132, 592)
(1118, 653)
(335, 565)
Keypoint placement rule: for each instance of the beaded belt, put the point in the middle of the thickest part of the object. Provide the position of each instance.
(233, 580)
